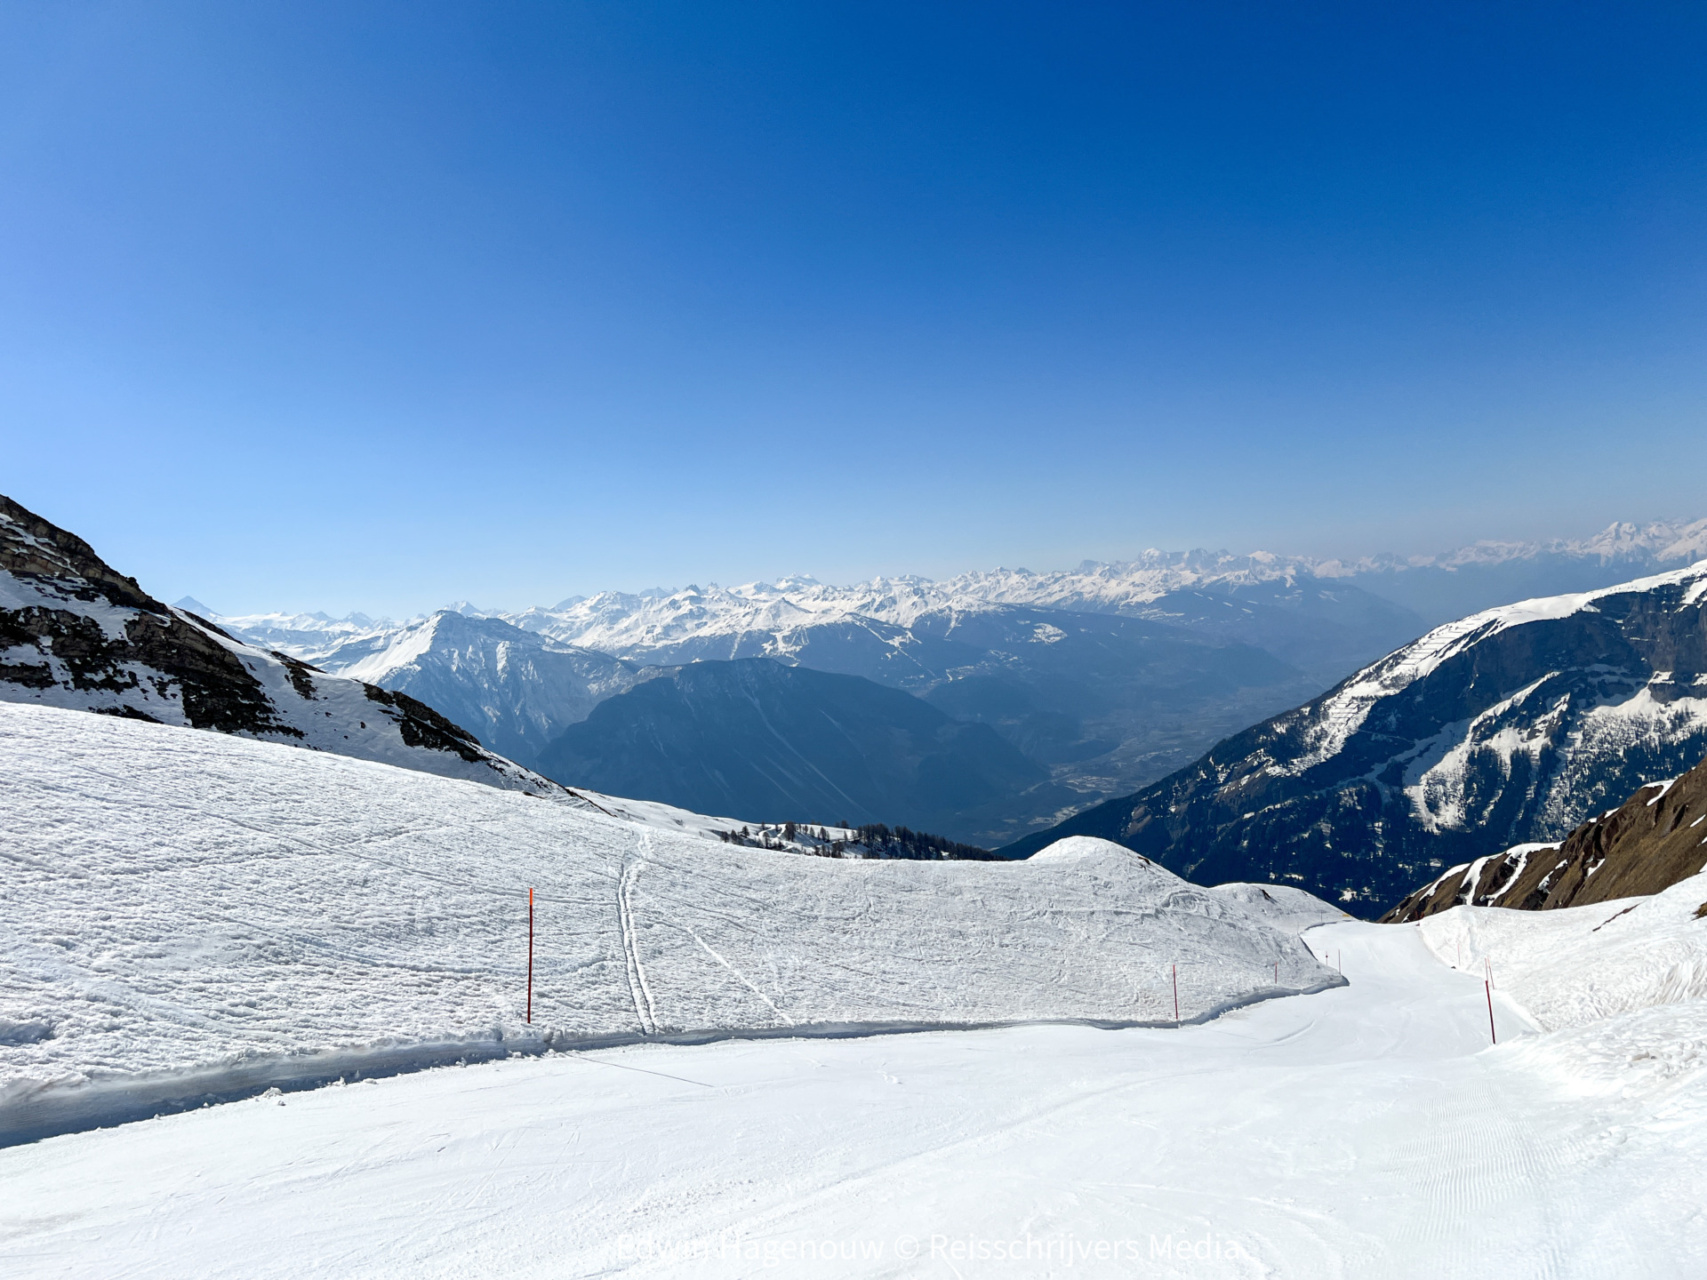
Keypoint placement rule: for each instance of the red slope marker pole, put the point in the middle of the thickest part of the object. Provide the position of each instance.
(1488, 990)
(530, 957)
(1277, 973)
(1176, 995)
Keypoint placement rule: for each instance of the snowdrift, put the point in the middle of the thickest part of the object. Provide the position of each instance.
(1619, 988)
(1573, 966)
(189, 915)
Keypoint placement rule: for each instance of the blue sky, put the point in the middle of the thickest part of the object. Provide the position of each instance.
(379, 306)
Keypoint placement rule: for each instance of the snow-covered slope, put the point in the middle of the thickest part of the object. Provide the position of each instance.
(76, 634)
(1363, 1133)
(1507, 727)
(189, 913)
(1579, 965)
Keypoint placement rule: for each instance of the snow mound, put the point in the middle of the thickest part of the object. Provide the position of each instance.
(1619, 991)
(1089, 848)
(1574, 966)
(190, 915)
(1648, 1054)
(1286, 907)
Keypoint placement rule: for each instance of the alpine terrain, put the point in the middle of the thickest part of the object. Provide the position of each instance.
(273, 917)
(74, 633)
(780, 743)
(1649, 843)
(1508, 727)
(1109, 676)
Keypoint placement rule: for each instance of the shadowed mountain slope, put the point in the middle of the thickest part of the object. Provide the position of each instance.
(773, 742)
(1650, 842)
(1511, 726)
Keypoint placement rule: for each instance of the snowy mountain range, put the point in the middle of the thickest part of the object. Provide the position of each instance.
(1103, 702)
(670, 626)
(1510, 726)
(1107, 675)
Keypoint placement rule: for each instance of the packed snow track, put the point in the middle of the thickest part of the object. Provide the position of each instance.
(1366, 1131)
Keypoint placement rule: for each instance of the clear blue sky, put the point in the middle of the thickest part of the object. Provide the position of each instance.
(377, 306)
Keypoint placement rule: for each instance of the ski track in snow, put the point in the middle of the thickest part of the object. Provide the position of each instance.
(1365, 1132)
(200, 910)
(644, 1009)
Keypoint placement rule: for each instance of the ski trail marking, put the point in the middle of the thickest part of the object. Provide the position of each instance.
(638, 991)
(738, 975)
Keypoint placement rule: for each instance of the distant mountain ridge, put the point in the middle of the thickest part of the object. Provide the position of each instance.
(1104, 701)
(627, 623)
(1507, 727)
(1111, 675)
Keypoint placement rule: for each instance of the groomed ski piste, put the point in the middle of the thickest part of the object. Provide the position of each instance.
(192, 915)
(186, 909)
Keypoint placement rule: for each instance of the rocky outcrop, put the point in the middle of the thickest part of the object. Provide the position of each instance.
(1650, 842)
(75, 633)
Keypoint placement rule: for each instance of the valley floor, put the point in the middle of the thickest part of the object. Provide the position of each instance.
(1363, 1132)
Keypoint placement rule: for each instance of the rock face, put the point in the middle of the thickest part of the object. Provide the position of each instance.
(75, 633)
(1650, 842)
(771, 742)
(1507, 727)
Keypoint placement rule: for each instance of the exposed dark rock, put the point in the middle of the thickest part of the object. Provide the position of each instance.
(1650, 842)
(105, 645)
(423, 727)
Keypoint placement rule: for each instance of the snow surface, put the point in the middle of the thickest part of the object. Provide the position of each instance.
(1362, 1133)
(188, 913)
(320, 712)
(210, 914)
(1577, 965)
